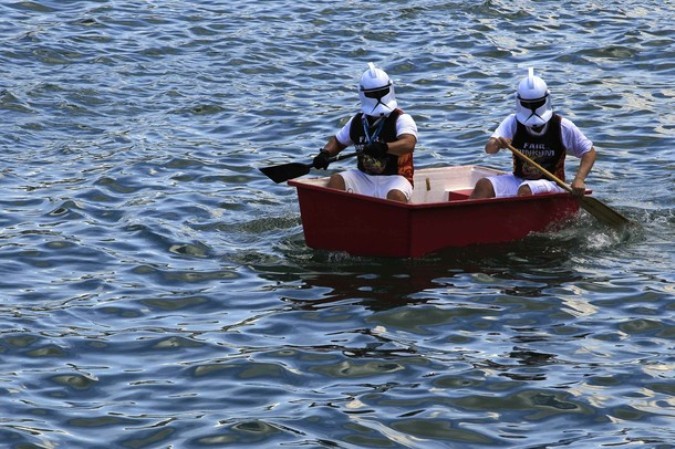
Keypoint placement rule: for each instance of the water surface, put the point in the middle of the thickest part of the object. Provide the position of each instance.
(157, 290)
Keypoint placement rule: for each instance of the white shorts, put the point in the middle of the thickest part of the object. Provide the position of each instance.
(507, 185)
(378, 186)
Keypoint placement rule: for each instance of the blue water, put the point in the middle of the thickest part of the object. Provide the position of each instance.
(157, 291)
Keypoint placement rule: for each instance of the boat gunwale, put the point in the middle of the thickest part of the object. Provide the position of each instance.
(428, 205)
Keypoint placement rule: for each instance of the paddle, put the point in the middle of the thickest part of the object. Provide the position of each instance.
(595, 207)
(281, 173)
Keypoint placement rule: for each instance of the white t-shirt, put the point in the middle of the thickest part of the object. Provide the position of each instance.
(405, 124)
(576, 143)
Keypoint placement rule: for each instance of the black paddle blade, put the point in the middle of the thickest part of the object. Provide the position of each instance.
(281, 173)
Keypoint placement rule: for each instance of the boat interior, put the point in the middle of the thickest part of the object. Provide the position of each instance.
(436, 185)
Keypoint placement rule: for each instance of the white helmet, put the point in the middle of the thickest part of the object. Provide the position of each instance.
(376, 92)
(533, 101)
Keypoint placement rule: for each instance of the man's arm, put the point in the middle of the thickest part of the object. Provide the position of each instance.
(495, 144)
(579, 182)
(333, 147)
(403, 145)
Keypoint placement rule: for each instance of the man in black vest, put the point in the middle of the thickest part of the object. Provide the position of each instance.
(542, 135)
(384, 137)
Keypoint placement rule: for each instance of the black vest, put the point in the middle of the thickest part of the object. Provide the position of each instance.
(389, 164)
(547, 150)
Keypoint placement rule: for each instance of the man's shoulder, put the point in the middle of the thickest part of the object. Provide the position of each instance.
(507, 127)
(568, 125)
(509, 121)
(402, 115)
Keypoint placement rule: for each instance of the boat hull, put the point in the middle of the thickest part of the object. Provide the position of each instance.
(438, 217)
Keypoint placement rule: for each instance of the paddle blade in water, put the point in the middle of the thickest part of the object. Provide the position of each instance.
(281, 173)
(593, 206)
(602, 212)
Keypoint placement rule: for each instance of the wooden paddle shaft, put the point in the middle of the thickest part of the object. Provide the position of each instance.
(593, 206)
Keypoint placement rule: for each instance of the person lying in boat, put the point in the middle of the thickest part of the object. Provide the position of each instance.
(384, 137)
(542, 135)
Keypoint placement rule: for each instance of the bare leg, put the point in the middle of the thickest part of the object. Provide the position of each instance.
(396, 195)
(524, 191)
(336, 182)
(483, 189)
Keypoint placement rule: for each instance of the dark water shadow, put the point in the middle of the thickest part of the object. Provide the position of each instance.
(380, 283)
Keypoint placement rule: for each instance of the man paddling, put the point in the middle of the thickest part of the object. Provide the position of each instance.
(384, 137)
(542, 135)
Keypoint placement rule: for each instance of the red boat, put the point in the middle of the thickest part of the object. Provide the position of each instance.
(440, 215)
